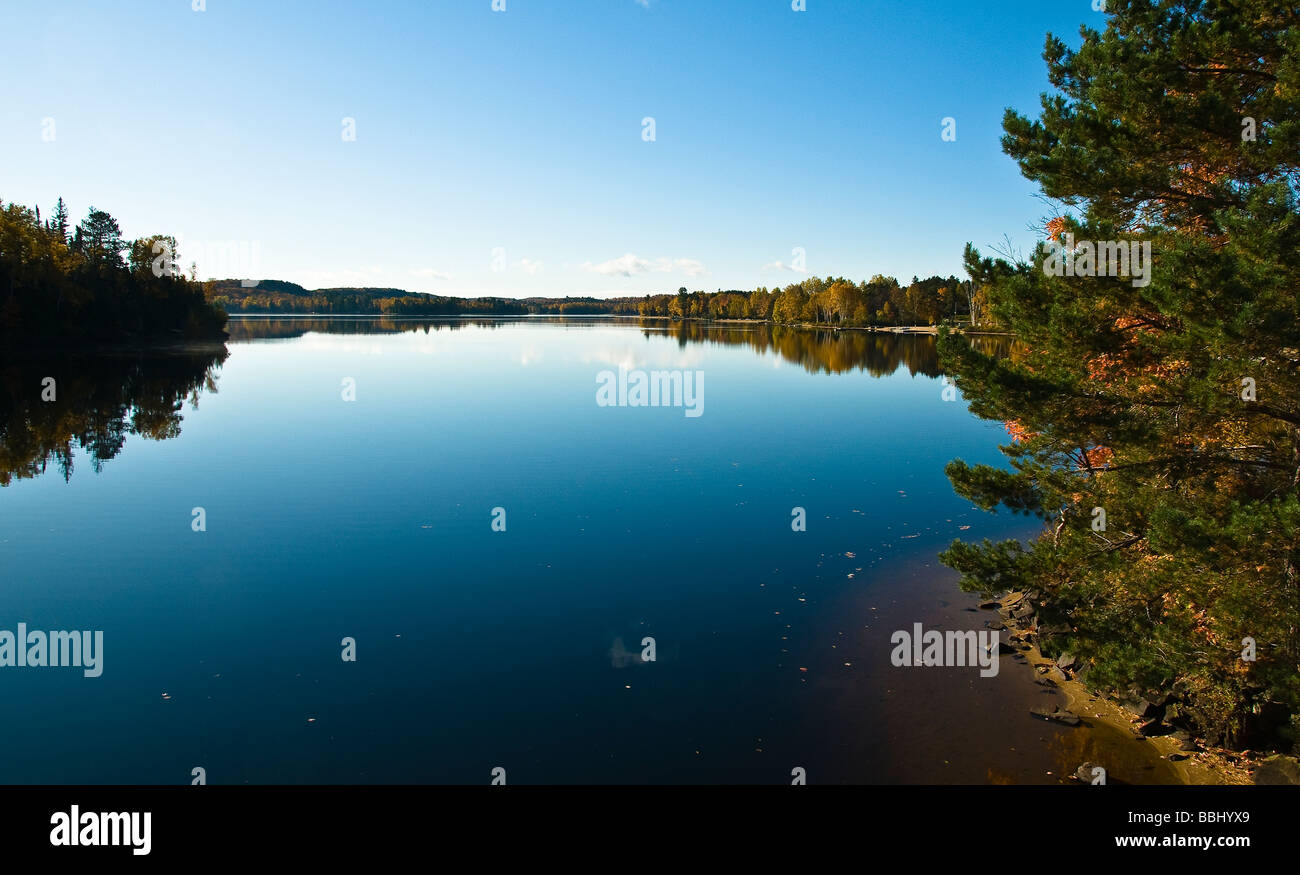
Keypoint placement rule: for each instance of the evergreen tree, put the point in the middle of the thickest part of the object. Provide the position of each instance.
(101, 237)
(1156, 425)
(60, 221)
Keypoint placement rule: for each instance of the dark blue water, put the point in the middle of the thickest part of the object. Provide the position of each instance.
(476, 649)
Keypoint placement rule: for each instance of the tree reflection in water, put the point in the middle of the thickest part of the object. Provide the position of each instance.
(816, 350)
(94, 403)
(100, 399)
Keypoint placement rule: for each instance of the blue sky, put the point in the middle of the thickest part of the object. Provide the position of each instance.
(503, 153)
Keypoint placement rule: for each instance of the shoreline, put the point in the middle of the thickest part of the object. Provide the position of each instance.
(928, 330)
(133, 346)
(1192, 760)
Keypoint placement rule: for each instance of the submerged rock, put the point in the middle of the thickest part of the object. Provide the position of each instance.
(1055, 714)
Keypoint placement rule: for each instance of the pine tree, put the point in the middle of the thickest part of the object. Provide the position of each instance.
(1156, 425)
(60, 220)
(101, 237)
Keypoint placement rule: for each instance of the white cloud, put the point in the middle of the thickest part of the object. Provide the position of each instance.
(627, 265)
(429, 273)
(781, 265)
(631, 265)
(529, 266)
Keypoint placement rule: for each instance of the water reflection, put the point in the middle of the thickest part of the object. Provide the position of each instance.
(95, 402)
(255, 328)
(816, 350)
(98, 400)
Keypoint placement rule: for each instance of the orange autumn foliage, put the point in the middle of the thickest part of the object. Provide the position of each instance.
(1017, 431)
(1097, 457)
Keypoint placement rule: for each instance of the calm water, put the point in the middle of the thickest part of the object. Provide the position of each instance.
(476, 649)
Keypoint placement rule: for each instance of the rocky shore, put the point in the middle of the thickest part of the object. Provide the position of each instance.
(1153, 722)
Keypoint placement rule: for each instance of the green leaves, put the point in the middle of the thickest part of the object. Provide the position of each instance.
(989, 567)
(1158, 425)
(990, 487)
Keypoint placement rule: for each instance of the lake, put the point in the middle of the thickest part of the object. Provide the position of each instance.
(497, 540)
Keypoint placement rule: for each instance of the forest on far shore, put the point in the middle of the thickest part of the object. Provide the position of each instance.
(88, 283)
(880, 301)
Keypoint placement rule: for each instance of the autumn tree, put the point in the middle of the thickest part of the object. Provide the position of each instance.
(1156, 420)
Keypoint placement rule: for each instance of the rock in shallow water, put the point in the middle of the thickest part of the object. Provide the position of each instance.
(1055, 714)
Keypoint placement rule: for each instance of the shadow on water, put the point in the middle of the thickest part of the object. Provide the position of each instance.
(51, 405)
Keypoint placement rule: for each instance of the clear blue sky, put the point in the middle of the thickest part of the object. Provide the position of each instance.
(522, 130)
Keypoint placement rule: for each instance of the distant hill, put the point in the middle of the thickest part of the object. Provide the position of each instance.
(278, 296)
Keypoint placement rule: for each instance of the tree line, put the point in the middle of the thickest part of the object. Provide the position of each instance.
(880, 301)
(877, 302)
(88, 283)
(278, 296)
